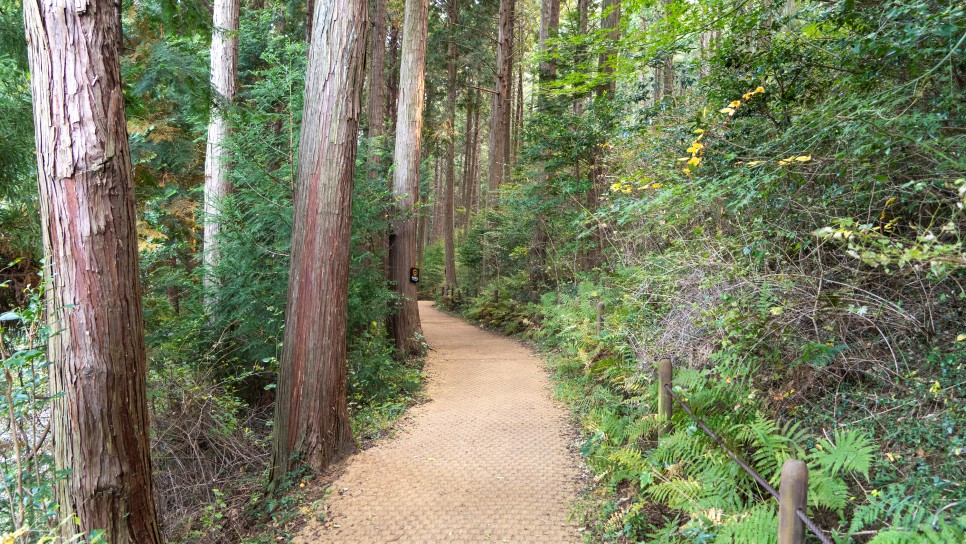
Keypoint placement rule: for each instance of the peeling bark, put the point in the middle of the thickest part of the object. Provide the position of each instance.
(311, 417)
(404, 324)
(99, 372)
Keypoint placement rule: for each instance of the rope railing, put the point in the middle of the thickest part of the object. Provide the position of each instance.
(794, 475)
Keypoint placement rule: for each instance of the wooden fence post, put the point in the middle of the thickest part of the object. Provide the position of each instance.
(665, 404)
(600, 317)
(793, 493)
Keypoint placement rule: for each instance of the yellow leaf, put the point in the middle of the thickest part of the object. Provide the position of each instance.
(729, 111)
(698, 131)
(734, 104)
(657, 185)
(682, 159)
(686, 171)
(961, 337)
(803, 158)
(760, 90)
(754, 163)
(695, 161)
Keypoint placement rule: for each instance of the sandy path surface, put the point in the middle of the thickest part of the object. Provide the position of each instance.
(485, 460)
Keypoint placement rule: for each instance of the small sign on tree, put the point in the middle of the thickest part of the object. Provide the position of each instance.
(414, 275)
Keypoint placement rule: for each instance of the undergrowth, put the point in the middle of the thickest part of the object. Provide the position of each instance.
(874, 475)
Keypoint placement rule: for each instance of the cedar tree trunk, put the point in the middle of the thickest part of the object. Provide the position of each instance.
(224, 75)
(404, 324)
(449, 207)
(311, 414)
(99, 364)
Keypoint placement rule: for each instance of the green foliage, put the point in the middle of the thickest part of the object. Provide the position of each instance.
(28, 502)
(786, 225)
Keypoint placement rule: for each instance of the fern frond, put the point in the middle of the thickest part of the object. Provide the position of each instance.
(827, 491)
(757, 526)
(851, 451)
(676, 493)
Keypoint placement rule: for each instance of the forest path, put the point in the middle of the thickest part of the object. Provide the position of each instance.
(485, 460)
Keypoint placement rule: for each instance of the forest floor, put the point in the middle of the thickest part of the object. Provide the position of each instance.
(486, 459)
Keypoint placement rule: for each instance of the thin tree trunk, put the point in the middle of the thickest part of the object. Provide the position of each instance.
(583, 20)
(462, 218)
(449, 207)
(473, 181)
(224, 77)
(98, 378)
(667, 77)
(422, 229)
(405, 326)
(377, 89)
(392, 85)
(500, 112)
(667, 73)
(437, 223)
(518, 120)
(311, 415)
(549, 21)
(610, 12)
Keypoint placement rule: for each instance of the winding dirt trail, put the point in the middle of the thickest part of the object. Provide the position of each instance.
(485, 460)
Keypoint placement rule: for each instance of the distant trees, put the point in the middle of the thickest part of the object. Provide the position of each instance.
(98, 377)
(547, 72)
(224, 77)
(376, 109)
(311, 415)
(449, 206)
(499, 144)
(404, 324)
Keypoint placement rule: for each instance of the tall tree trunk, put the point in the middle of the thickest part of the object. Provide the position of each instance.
(583, 20)
(224, 77)
(667, 72)
(98, 378)
(473, 178)
(405, 324)
(549, 21)
(517, 136)
(461, 219)
(377, 88)
(437, 223)
(449, 207)
(610, 12)
(422, 231)
(667, 76)
(311, 414)
(392, 85)
(500, 112)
